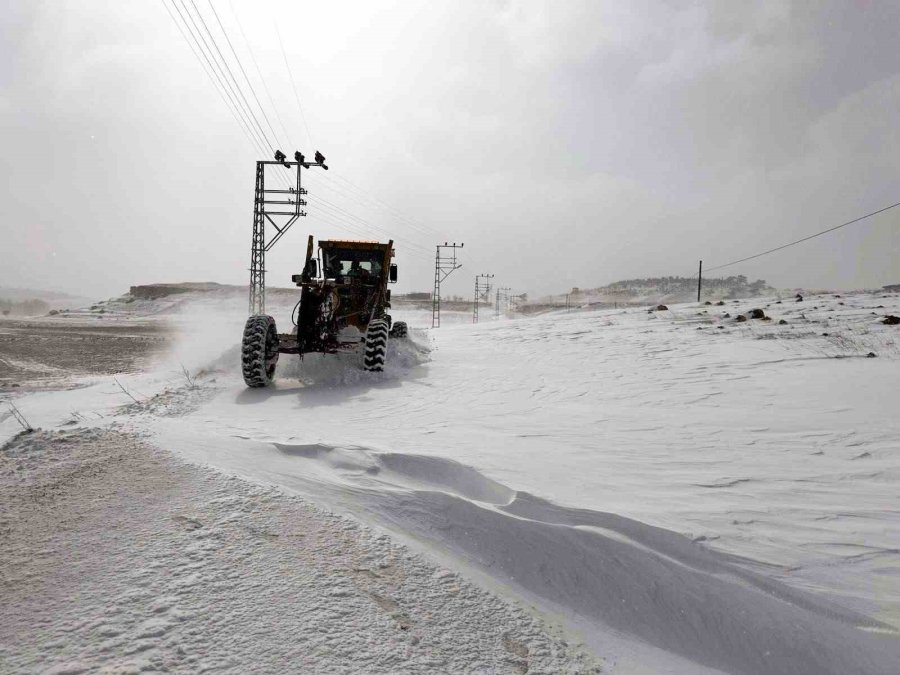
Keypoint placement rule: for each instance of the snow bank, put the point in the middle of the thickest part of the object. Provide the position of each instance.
(118, 558)
(620, 574)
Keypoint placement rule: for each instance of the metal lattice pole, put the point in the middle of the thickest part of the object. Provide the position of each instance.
(281, 216)
(475, 302)
(504, 293)
(444, 264)
(436, 292)
(481, 292)
(258, 246)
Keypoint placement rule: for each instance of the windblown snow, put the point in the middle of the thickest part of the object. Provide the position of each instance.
(683, 490)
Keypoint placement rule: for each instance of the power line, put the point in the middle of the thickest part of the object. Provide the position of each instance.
(799, 241)
(293, 85)
(365, 221)
(243, 72)
(215, 67)
(338, 212)
(259, 72)
(213, 76)
(227, 69)
(327, 219)
(425, 229)
(370, 201)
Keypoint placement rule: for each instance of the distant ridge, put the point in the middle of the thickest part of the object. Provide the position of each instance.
(156, 291)
(18, 294)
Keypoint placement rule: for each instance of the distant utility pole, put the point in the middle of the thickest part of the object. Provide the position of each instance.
(504, 291)
(444, 265)
(699, 280)
(482, 292)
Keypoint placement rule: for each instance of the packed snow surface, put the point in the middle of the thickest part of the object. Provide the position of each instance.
(117, 558)
(676, 479)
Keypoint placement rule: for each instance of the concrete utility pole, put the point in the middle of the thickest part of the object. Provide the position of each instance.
(444, 265)
(699, 280)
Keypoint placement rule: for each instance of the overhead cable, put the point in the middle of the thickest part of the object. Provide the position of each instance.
(261, 77)
(800, 241)
(293, 85)
(233, 81)
(243, 72)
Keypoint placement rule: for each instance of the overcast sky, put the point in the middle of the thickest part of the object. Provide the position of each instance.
(566, 143)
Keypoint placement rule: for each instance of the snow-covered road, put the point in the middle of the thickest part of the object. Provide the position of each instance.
(751, 439)
(539, 452)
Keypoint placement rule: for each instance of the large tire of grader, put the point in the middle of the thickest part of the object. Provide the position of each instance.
(259, 351)
(376, 345)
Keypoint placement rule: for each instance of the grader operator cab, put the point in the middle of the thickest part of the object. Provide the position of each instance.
(344, 298)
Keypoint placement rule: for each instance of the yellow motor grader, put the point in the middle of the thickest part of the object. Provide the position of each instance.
(344, 298)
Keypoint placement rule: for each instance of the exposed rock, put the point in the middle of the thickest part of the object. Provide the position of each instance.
(726, 315)
(799, 297)
(720, 303)
(707, 303)
(661, 308)
(782, 322)
(740, 318)
(891, 320)
(870, 355)
(757, 314)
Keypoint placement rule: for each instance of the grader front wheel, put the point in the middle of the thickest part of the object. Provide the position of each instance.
(376, 345)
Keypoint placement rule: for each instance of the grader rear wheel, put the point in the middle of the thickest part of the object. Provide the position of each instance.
(399, 329)
(259, 351)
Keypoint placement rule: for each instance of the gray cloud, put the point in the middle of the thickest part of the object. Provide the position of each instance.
(566, 143)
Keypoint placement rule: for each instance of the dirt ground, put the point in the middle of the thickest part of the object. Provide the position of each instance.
(44, 353)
